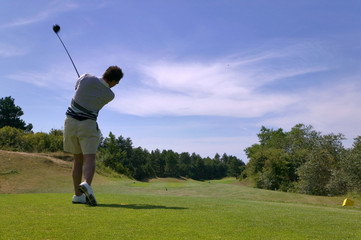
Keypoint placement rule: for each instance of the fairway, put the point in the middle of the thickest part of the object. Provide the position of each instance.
(160, 208)
(129, 210)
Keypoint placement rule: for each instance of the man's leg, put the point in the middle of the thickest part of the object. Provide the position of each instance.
(77, 172)
(89, 170)
(89, 167)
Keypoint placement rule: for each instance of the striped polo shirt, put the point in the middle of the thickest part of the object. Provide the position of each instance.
(91, 94)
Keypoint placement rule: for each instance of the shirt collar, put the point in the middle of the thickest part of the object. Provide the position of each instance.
(104, 82)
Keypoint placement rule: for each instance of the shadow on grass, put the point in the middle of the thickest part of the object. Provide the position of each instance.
(139, 206)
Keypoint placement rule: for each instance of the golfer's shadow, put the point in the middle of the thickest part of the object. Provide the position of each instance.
(139, 206)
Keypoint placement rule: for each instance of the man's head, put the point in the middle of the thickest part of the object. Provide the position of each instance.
(113, 75)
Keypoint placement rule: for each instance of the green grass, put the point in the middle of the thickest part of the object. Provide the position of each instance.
(187, 210)
(161, 208)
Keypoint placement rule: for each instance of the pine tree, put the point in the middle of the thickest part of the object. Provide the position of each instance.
(10, 115)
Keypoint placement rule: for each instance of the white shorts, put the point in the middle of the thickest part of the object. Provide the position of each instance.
(81, 136)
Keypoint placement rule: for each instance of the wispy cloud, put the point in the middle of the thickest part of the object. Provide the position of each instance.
(222, 87)
(332, 108)
(52, 8)
(55, 77)
(10, 50)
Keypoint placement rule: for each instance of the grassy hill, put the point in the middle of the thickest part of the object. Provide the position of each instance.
(159, 208)
(25, 172)
(37, 173)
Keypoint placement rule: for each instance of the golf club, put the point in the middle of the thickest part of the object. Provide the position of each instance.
(56, 29)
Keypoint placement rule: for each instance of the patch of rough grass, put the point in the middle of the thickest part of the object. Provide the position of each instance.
(13, 171)
(60, 155)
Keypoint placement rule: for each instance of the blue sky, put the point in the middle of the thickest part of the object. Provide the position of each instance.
(200, 76)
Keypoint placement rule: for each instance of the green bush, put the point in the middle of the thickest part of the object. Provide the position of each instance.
(15, 139)
(11, 138)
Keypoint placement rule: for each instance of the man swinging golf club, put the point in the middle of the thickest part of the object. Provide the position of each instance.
(81, 133)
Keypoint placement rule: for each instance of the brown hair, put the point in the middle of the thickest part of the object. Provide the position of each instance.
(113, 73)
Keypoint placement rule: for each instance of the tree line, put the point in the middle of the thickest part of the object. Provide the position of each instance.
(120, 155)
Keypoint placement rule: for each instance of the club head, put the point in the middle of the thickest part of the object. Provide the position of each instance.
(56, 28)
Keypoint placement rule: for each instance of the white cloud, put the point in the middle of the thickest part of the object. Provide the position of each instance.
(50, 10)
(225, 87)
(329, 109)
(11, 50)
(144, 102)
(54, 78)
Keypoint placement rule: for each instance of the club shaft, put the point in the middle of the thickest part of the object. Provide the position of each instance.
(68, 55)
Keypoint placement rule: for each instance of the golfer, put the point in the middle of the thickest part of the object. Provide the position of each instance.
(81, 133)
